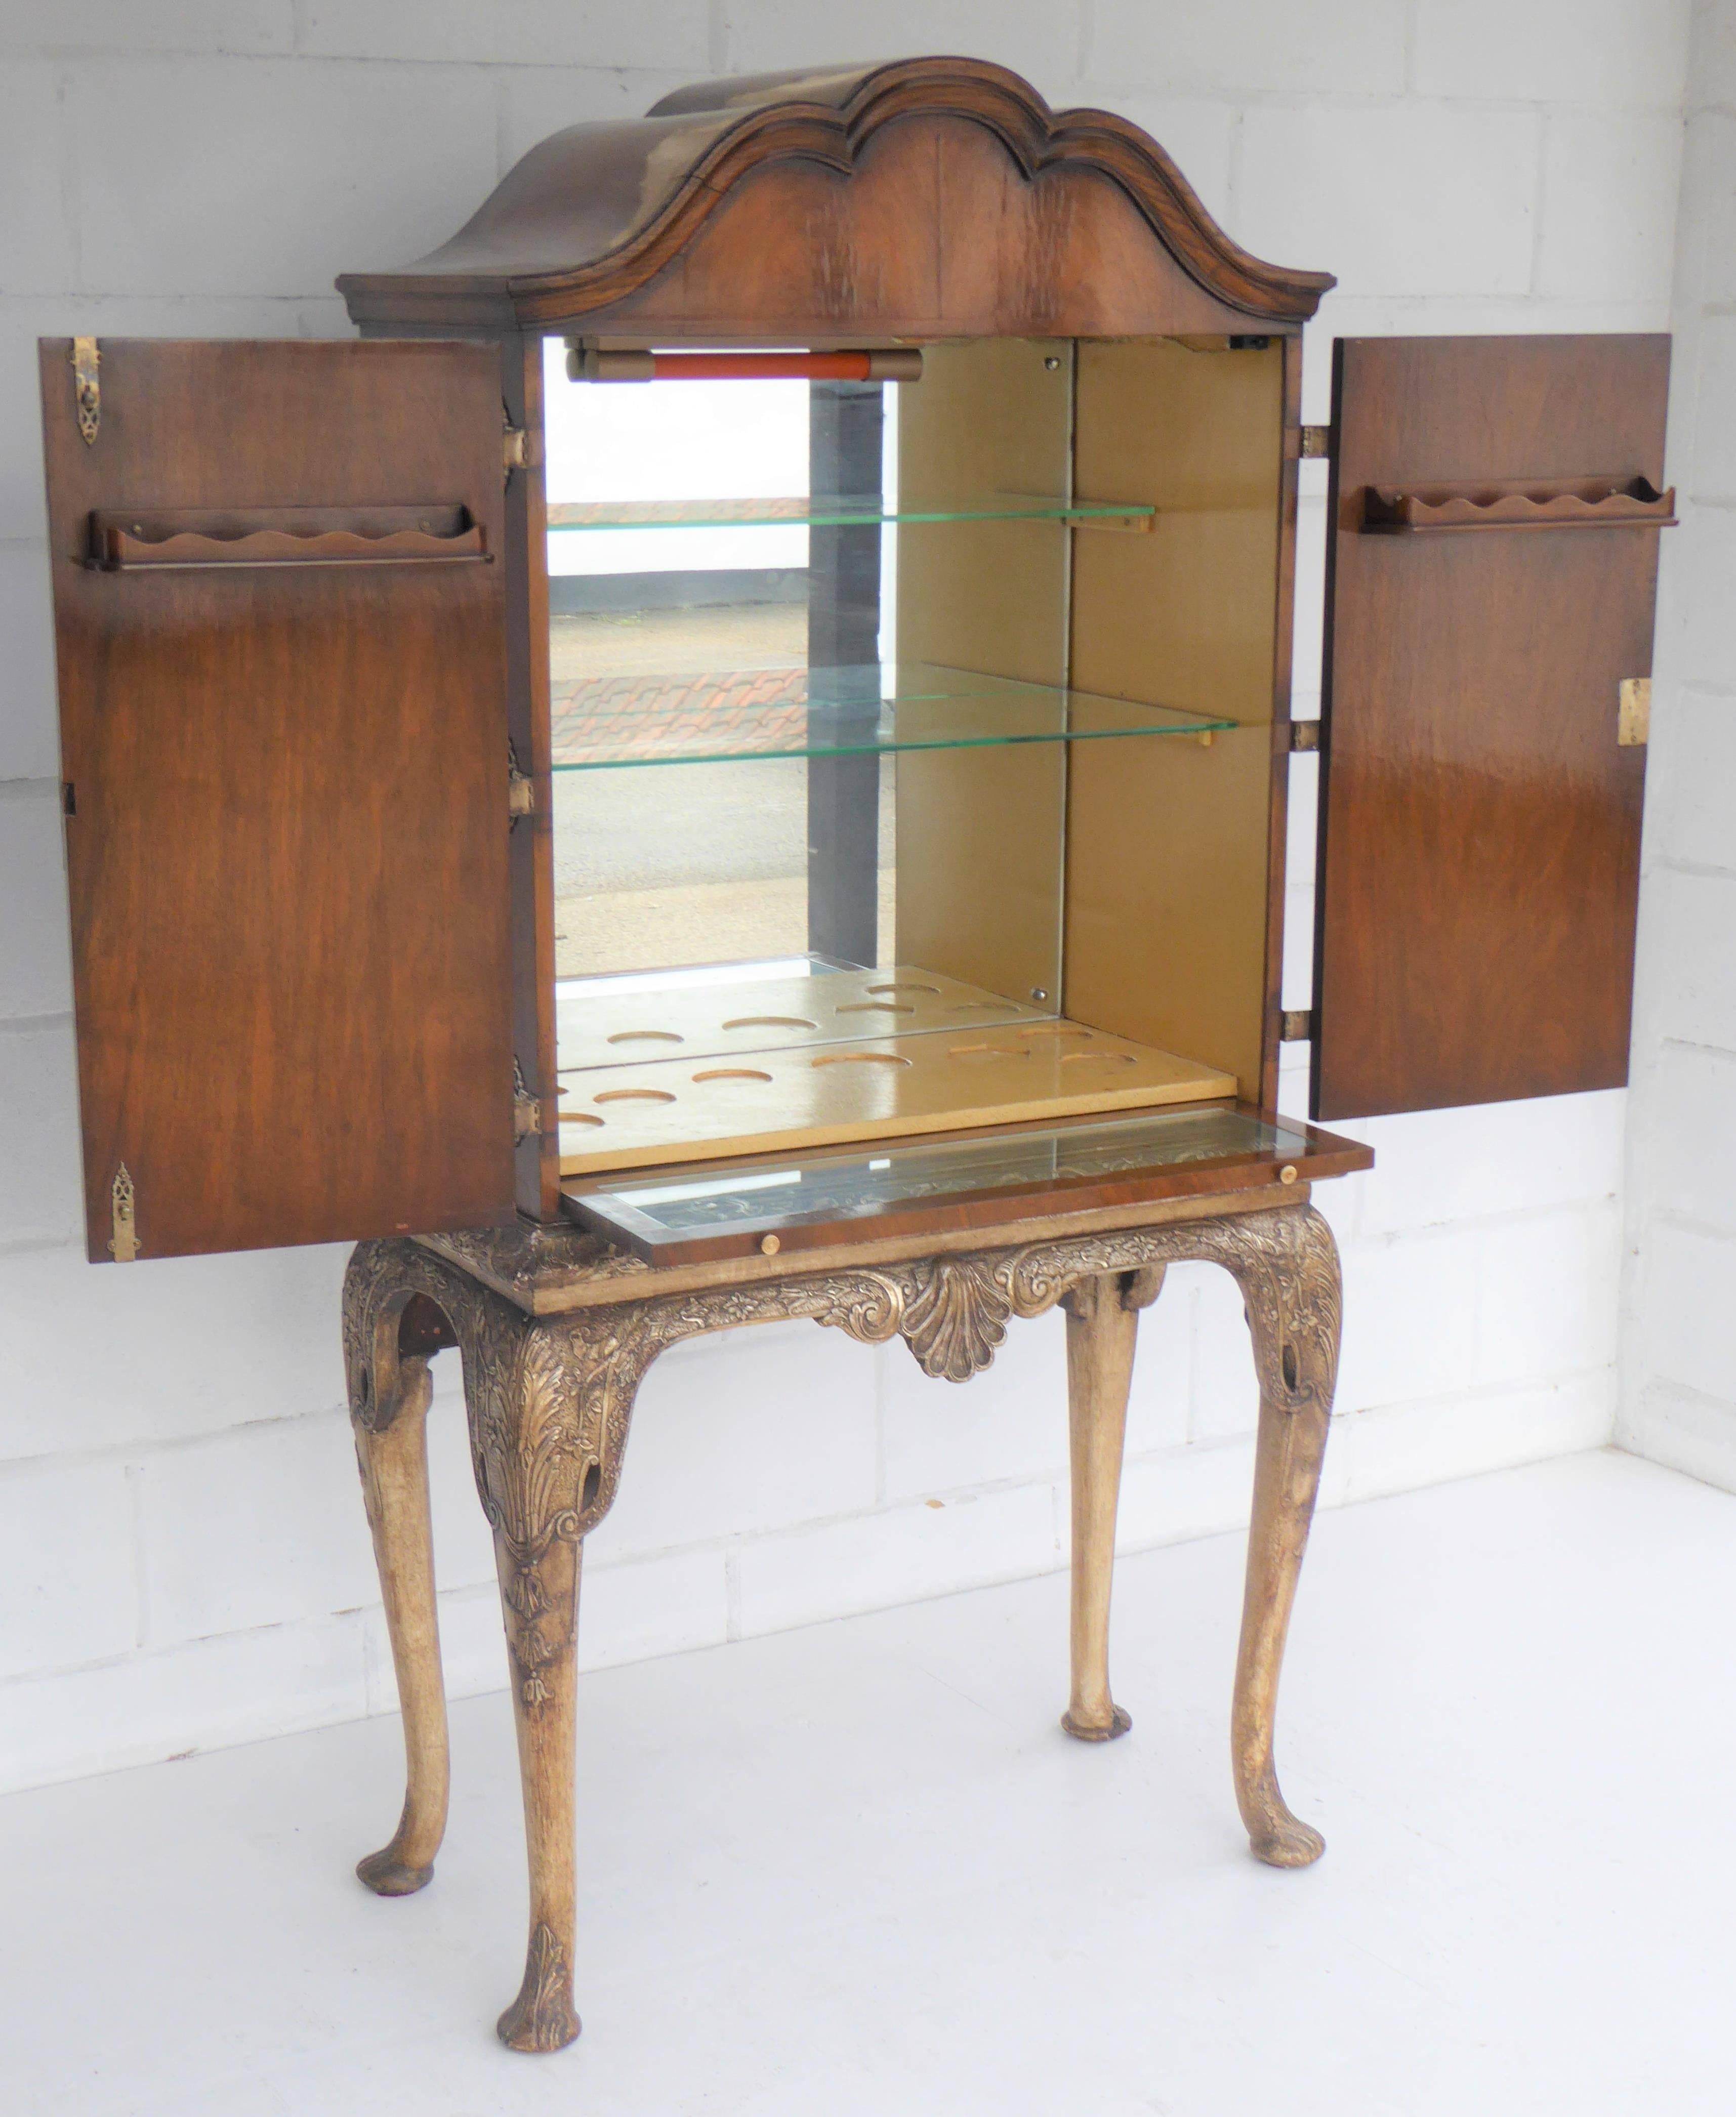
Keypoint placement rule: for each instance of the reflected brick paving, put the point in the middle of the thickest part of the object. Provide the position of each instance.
(622, 717)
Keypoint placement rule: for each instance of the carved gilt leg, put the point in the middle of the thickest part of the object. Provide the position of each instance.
(1102, 1320)
(1293, 1311)
(389, 1390)
(542, 1608)
(395, 1481)
(549, 1404)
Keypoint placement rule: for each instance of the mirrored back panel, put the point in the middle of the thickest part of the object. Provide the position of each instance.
(814, 735)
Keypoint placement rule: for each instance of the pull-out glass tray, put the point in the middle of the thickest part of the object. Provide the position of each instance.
(703, 1212)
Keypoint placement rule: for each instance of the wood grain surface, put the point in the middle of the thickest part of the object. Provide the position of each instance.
(530, 729)
(1479, 822)
(918, 196)
(287, 835)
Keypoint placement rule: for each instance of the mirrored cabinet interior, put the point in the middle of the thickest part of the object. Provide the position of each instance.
(856, 778)
(752, 704)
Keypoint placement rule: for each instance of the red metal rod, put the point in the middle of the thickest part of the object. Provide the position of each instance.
(759, 366)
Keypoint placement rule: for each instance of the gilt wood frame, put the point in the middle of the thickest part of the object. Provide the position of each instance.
(550, 1399)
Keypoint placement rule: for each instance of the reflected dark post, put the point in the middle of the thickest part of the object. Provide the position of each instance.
(844, 441)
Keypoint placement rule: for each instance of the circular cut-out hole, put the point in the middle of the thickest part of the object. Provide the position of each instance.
(633, 1096)
(732, 1073)
(904, 985)
(975, 1051)
(771, 1022)
(1056, 1029)
(1097, 1057)
(646, 1036)
(874, 1007)
(859, 1059)
(578, 1116)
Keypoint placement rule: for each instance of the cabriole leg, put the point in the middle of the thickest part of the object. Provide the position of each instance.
(1103, 1321)
(543, 1639)
(534, 1393)
(394, 1483)
(1285, 1479)
(1294, 1315)
(389, 1332)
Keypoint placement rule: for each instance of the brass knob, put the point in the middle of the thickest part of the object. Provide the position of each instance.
(771, 1245)
(1287, 1174)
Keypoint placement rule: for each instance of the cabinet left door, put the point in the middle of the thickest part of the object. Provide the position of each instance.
(280, 614)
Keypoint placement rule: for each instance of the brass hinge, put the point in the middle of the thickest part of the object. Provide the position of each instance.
(1304, 734)
(1296, 1024)
(1633, 715)
(124, 1244)
(519, 450)
(1316, 442)
(87, 391)
(526, 1112)
(521, 792)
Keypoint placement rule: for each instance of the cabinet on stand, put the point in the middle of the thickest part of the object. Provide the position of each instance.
(728, 760)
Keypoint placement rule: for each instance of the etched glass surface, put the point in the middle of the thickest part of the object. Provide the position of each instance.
(865, 1183)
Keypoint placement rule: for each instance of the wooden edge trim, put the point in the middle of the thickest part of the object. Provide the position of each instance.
(982, 1214)
(553, 1291)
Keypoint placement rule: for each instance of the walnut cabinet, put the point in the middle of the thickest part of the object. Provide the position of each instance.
(409, 896)
(727, 760)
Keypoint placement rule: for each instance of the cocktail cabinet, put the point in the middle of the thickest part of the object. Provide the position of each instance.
(729, 757)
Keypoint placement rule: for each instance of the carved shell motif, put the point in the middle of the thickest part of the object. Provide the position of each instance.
(956, 1316)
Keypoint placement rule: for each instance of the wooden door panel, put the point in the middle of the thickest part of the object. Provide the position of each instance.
(287, 835)
(1479, 822)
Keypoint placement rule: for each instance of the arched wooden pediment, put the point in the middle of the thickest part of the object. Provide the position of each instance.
(918, 197)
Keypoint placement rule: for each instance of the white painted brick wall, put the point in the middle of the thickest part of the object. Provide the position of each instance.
(183, 1561)
(1677, 1399)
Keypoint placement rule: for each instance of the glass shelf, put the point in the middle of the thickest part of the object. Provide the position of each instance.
(850, 511)
(877, 709)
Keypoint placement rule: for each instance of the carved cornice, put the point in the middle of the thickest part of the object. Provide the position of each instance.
(621, 201)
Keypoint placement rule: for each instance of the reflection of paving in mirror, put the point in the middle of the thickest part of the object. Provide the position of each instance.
(693, 856)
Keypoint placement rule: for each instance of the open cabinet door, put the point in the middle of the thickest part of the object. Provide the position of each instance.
(1492, 555)
(280, 632)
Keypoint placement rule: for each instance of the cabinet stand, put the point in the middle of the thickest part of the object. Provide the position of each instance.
(555, 1331)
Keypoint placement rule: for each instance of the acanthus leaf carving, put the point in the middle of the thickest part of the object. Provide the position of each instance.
(550, 1398)
(541, 2018)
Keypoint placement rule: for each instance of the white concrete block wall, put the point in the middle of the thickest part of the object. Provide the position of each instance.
(183, 1561)
(1678, 1384)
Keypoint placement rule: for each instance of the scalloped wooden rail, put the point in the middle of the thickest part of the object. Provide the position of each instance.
(1588, 503)
(132, 540)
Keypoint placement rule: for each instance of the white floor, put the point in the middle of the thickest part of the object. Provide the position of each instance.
(858, 1870)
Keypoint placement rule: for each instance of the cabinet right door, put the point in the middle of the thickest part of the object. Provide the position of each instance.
(1492, 564)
